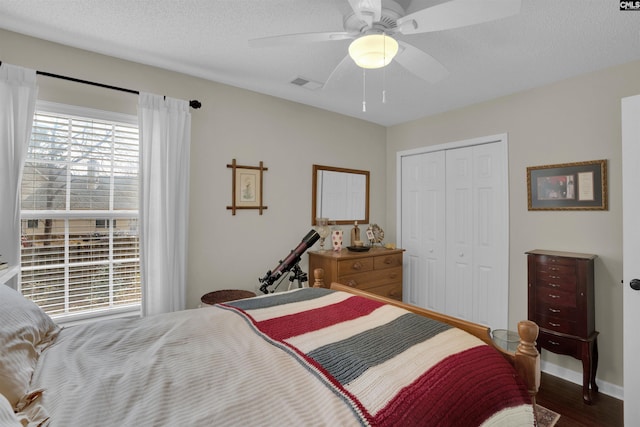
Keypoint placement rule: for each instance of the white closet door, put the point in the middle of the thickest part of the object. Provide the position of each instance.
(460, 213)
(491, 290)
(423, 229)
(454, 228)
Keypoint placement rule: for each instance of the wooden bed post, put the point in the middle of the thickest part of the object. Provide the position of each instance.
(318, 276)
(527, 358)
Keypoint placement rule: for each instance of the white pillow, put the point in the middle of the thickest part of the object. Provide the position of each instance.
(7, 417)
(25, 330)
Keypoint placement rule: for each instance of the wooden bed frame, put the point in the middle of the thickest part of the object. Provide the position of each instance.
(525, 359)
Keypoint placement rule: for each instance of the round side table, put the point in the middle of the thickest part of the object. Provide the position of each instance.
(226, 295)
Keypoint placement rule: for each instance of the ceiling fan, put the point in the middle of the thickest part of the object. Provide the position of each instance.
(374, 25)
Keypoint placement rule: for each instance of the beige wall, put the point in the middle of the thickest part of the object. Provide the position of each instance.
(569, 121)
(225, 251)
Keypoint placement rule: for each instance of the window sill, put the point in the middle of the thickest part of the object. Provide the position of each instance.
(132, 311)
(9, 273)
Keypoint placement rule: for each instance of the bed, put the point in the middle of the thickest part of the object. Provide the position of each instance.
(311, 356)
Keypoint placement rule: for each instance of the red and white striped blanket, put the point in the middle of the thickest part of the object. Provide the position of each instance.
(391, 367)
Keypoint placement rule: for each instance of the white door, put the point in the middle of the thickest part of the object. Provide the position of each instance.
(453, 213)
(476, 282)
(423, 217)
(631, 254)
(460, 214)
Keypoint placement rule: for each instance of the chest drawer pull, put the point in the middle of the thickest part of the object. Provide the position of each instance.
(554, 310)
(554, 277)
(352, 283)
(554, 296)
(554, 342)
(356, 266)
(555, 325)
(554, 285)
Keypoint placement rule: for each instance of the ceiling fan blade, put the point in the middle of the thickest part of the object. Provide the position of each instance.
(338, 72)
(368, 11)
(302, 38)
(420, 63)
(456, 14)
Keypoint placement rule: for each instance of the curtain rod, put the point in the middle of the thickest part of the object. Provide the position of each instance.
(195, 104)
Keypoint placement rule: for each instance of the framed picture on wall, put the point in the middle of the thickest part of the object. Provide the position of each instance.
(568, 186)
(246, 187)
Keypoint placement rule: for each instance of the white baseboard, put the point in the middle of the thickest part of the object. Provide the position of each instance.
(576, 378)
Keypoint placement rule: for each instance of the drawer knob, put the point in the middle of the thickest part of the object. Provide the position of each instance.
(356, 266)
(554, 285)
(554, 310)
(388, 260)
(554, 342)
(554, 324)
(554, 296)
(352, 283)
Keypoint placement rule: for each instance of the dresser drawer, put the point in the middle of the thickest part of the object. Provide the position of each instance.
(556, 298)
(558, 283)
(387, 261)
(557, 344)
(356, 265)
(557, 324)
(550, 260)
(556, 310)
(392, 290)
(373, 279)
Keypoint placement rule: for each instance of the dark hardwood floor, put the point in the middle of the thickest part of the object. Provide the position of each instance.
(565, 398)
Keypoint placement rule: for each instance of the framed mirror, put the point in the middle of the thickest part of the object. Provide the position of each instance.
(340, 194)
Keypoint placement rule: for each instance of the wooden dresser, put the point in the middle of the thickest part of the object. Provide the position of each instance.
(562, 303)
(378, 270)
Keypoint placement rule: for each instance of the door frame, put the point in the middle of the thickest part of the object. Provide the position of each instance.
(503, 238)
(630, 111)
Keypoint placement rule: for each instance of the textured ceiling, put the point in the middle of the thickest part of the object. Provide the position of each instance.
(548, 40)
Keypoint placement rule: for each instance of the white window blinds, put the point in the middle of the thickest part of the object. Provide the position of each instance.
(79, 207)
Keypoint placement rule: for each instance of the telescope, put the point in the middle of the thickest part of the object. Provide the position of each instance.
(290, 262)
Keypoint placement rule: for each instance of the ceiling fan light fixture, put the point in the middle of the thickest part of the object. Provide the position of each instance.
(373, 50)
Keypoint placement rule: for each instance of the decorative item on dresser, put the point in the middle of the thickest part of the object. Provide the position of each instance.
(561, 302)
(378, 270)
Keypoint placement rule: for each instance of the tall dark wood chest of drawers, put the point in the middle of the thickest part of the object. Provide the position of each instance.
(378, 270)
(561, 302)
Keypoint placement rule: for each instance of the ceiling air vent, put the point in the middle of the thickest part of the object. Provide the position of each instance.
(307, 84)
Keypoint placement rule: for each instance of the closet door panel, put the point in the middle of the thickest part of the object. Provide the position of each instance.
(423, 229)
(490, 292)
(459, 229)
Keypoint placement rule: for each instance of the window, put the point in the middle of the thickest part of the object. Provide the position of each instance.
(104, 223)
(80, 175)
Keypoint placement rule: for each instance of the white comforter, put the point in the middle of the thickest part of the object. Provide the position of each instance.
(190, 368)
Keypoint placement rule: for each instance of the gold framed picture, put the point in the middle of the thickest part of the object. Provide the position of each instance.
(568, 186)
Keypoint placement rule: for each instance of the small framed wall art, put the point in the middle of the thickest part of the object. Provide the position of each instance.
(246, 187)
(568, 186)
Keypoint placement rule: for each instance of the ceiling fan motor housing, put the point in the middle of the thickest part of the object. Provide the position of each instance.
(391, 12)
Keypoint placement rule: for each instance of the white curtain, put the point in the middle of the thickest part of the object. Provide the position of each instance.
(18, 93)
(165, 139)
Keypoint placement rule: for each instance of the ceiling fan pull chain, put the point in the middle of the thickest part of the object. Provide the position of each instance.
(384, 73)
(384, 85)
(364, 91)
